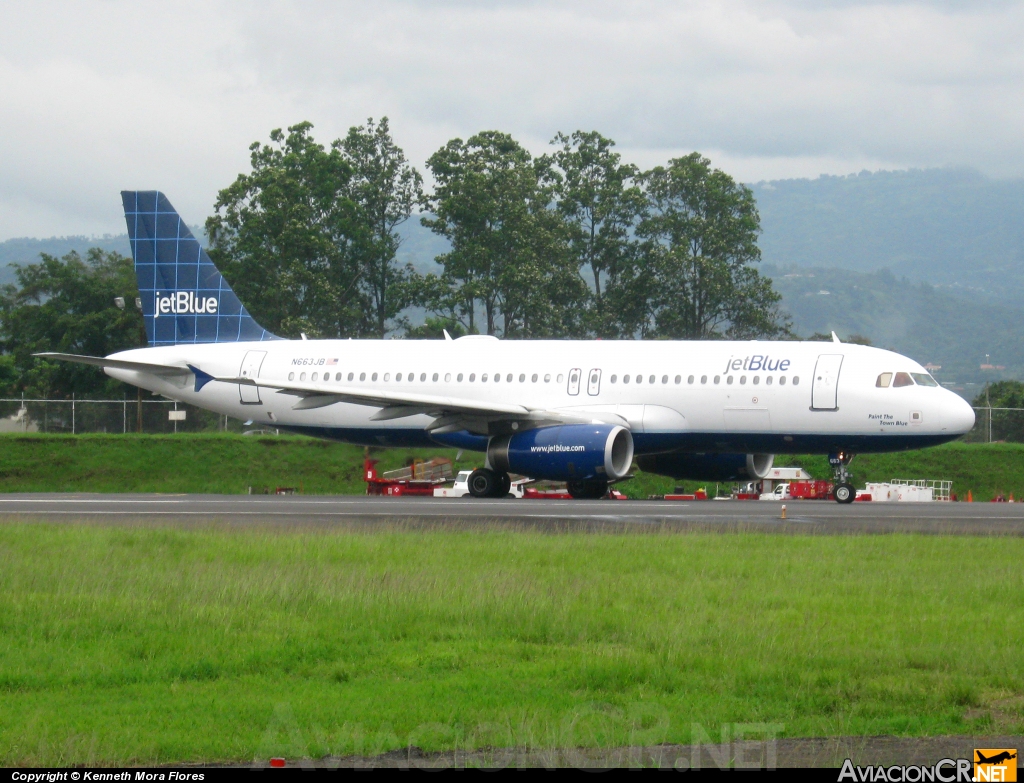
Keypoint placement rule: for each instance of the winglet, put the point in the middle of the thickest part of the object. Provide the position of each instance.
(447, 336)
(202, 378)
(835, 339)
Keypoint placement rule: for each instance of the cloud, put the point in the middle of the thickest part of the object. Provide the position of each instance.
(103, 96)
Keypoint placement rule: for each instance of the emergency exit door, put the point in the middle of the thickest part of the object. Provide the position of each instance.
(824, 389)
(250, 395)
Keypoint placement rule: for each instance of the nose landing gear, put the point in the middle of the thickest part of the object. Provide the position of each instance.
(844, 491)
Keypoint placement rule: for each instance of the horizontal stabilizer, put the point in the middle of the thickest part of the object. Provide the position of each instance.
(119, 364)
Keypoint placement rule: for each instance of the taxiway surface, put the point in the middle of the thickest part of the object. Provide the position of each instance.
(320, 510)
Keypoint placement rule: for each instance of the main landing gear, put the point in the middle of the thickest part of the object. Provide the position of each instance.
(487, 483)
(592, 489)
(844, 491)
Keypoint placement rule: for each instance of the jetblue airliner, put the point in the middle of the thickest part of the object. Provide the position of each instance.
(563, 410)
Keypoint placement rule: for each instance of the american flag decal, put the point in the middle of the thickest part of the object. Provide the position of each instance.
(332, 361)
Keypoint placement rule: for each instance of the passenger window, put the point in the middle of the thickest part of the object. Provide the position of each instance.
(689, 380)
(923, 379)
(508, 378)
(458, 378)
(613, 378)
(534, 378)
(302, 376)
(351, 375)
(782, 380)
(314, 376)
(434, 378)
(472, 377)
(547, 378)
(447, 377)
(338, 377)
(902, 379)
(729, 379)
(664, 379)
(883, 380)
(497, 377)
(639, 379)
(387, 376)
(757, 379)
(362, 376)
(397, 377)
(625, 379)
(373, 377)
(483, 378)
(704, 379)
(522, 377)
(291, 376)
(717, 379)
(743, 380)
(559, 378)
(651, 379)
(768, 381)
(796, 380)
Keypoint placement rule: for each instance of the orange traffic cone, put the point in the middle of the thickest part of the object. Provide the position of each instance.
(970, 497)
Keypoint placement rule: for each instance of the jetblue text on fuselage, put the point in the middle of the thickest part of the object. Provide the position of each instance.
(757, 362)
(185, 303)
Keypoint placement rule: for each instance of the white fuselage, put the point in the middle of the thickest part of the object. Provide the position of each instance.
(714, 396)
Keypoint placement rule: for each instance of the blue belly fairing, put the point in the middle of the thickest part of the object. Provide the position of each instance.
(649, 442)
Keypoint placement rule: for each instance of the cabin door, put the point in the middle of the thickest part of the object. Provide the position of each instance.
(824, 389)
(250, 395)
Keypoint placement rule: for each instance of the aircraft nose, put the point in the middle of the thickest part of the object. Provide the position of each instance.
(959, 415)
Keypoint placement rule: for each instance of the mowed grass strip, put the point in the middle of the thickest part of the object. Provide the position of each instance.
(224, 463)
(146, 645)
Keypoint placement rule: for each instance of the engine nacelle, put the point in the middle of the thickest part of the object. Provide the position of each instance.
(708, 467)
(565, 453)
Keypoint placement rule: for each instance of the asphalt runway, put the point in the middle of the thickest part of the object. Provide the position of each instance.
(806, 516)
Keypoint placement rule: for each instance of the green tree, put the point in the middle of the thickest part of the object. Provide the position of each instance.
(601, 204)
(385, 189)
(283, 236)
(67, 305)
(701, 240)
(509, 252)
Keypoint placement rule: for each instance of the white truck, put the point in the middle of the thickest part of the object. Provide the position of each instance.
(781, 492)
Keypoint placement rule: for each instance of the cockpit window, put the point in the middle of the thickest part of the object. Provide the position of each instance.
(902, 379)
(924, 379)
(884, 380)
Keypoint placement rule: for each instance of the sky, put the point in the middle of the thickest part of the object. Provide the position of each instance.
(104, 96)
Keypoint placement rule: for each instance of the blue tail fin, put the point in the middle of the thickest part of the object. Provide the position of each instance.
(184, 297)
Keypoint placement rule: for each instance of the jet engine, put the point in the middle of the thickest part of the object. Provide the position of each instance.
(708, 467)
(571, 452)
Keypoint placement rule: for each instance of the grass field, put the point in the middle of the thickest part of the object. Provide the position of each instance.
(122, 645)
(225, 463)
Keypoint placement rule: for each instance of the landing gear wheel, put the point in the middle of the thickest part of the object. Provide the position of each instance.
(482, 483)
(503, 485)
(592, 489)
(845, 493)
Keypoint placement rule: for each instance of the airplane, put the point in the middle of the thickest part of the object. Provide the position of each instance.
(577, 411)
(996, 759)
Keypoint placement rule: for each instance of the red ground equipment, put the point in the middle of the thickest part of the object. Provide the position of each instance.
(811, 490)
(419, 478)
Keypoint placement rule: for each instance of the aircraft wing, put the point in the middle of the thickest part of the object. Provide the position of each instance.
(451, 414)
(118, 364)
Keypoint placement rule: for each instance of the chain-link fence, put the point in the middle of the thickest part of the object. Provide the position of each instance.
(165, 416)
(76, 416)
(994, 425)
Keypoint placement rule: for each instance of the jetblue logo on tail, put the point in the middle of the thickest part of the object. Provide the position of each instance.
(185, 303)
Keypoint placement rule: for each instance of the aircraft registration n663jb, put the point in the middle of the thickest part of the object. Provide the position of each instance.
(565, 410)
